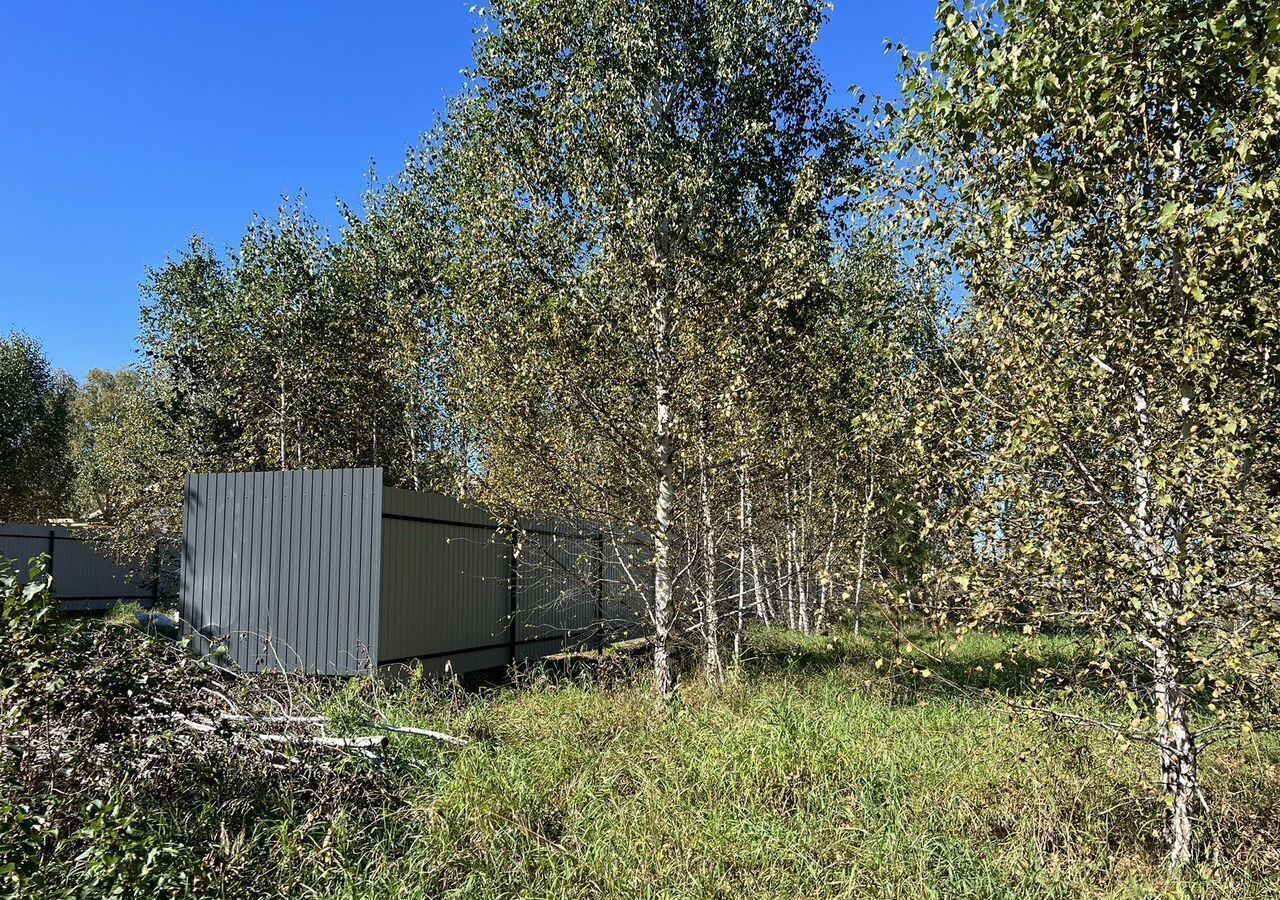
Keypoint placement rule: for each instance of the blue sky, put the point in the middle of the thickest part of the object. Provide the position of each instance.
(127, 126)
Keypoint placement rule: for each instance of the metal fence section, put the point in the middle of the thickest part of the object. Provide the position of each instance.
(445, 585)
(330, 572)
(280, 570)
(576, 587)
(84, 576)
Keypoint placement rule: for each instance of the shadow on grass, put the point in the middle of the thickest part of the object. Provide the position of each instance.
(894, 660)
(917, 659)
(779, 650)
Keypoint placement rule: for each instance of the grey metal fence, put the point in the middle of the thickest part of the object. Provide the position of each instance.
(331, 572)
(280, 569)
(84, 576)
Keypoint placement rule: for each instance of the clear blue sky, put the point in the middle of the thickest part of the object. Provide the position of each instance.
(127, 126)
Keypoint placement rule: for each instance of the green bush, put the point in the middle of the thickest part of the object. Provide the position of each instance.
(26, 606)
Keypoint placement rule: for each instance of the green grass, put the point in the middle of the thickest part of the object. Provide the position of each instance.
(123, 613)
(811, 774)
(126, 612)
(827, 766)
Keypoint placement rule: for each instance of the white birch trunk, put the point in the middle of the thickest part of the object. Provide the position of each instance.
(862, 554)
(757, 584)
(742, 564)
(710, 608)
(825, 587)
(664, 668)
(1179, 760)
(1179, 755)
(283, 425)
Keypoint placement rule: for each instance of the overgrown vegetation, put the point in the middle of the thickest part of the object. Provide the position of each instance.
(106, 789)
(822, 768)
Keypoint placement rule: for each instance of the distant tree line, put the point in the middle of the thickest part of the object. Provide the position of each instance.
(1002, 353)
(36, 407)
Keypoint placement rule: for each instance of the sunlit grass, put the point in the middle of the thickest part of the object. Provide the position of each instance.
(812, 773)
(891, 764)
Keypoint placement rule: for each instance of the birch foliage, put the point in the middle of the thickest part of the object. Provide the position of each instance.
(1103, 176)
(631, 188)
(35, 433)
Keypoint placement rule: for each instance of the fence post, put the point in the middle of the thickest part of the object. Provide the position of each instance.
(598, 591)
(53, 536)
(513, 587)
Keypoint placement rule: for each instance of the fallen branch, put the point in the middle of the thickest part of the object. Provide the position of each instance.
(191, 725)
(364, 743)
(274, 720)
(353, 743)
(419, 732)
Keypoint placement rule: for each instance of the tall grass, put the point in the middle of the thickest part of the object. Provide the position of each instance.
(811, 774)
(828, 766)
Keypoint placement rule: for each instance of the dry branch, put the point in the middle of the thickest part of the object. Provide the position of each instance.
(364, 742)
(419, 732)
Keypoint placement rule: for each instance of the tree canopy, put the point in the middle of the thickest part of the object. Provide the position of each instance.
(35, 409)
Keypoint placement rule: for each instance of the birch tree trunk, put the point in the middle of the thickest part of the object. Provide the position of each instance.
(412, 452)
(710, 609)
(283, 423)
(742, 563)
(664, 669)
(862, 554)
(1179, 755)
(800, 578)
(1179, 759)
(789, 578)
(762, 608)
(824, 589)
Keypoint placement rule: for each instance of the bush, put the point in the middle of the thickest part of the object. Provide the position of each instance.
(25, 607)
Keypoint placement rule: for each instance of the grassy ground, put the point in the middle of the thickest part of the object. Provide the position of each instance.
(809, 775)
(817, 771)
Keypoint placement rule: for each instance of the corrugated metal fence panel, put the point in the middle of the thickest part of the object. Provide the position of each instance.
(325, 571)
(282, 568)
(422, 505)
(21, 542)
(627, 589)
(445, 577)
(80, 571)
(557, 589)
(83, 576)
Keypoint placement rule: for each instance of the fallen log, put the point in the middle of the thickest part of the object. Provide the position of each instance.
(419, 732)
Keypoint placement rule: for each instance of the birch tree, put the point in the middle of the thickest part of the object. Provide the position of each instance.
(622, 180)
(294, 351)
(282, 355)
(115, 442)
(35, 408)
(825, 454)
(1103, 175)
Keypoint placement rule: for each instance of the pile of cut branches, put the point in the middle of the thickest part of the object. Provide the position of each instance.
(124, 760)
